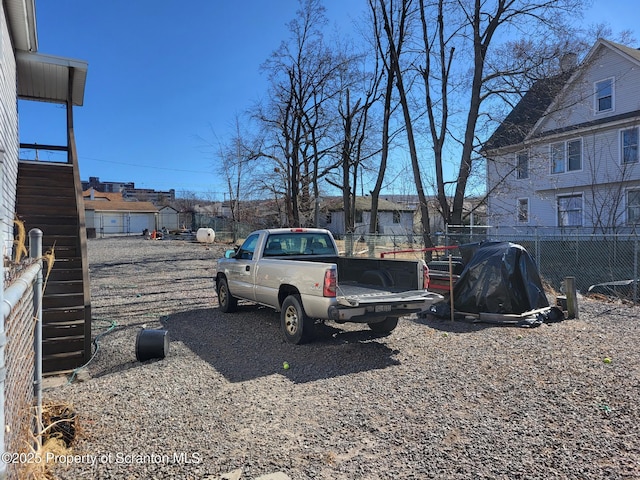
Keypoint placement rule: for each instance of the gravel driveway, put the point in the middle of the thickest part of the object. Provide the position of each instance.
(435, 399)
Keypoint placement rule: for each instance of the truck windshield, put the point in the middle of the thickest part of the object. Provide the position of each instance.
(294, 243)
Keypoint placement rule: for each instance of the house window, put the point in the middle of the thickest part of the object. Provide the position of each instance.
(604, 95)
(574, 155)
(566, 156)
(358, 216)
(329, 218)
(629, 141)
(396, 217)
(570, 211)
(522, 165)
(633, 207)
(523, 210)
(557, 158)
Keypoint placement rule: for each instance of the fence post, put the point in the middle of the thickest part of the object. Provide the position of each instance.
(35, 252)
(537, 247)
(635, 269)
(572, 297)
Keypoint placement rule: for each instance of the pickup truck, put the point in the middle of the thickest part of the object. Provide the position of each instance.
(298, 272)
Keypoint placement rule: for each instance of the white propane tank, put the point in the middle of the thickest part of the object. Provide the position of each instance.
(205, 235)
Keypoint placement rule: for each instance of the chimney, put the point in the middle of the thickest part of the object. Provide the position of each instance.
(568, 62)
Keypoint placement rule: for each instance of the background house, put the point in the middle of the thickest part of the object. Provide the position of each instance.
(168, 217)
(567, 157)
(111, 214)
(393, 218)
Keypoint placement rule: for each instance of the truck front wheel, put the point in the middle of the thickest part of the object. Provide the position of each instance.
(296, 326)
(228, 303)
(385, 326)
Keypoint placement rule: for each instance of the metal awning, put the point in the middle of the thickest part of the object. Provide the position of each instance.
(46, 78)
(21, 16)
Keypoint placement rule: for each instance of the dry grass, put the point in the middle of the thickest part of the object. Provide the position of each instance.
(54, 438)
(20, 242)
(59, 427)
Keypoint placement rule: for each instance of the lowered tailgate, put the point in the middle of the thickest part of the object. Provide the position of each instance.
(359, 304)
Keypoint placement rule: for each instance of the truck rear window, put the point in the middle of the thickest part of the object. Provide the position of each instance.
(279, 244)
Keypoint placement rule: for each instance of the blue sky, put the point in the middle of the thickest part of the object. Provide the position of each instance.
(166, 76)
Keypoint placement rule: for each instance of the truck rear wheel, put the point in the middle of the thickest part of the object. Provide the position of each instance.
(228, 303)
(385, 326)
(296, 326)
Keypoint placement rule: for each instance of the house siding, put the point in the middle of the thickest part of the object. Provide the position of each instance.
(385, 223)
(9, 140)
(168, 218)
(578, 101)
(602, 179)
(120, 223)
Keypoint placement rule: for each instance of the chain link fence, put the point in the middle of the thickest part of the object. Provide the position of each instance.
(226, 230)
(601, 263)
(605, 263)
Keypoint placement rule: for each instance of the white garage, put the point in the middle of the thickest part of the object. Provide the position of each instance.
(110, 214)
(168, 218)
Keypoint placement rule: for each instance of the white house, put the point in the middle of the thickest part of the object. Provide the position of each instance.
(393, 218)
(568, 155)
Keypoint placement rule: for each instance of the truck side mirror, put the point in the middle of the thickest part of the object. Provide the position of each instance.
(230, 254)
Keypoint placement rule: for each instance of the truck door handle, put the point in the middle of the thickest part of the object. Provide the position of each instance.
(247, 268)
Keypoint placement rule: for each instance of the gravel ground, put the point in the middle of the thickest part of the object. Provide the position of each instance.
(435, 399)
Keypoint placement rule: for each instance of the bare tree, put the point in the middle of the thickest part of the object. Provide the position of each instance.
(457, 99)
(357, 97)
(396, 23)
(236, 162)
(302, 74)
(499, 70)
(387, 75)
(185, 201)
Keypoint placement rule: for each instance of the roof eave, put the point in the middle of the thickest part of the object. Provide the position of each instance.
(22, 22)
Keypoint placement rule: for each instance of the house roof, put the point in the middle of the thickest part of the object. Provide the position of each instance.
(336, 204)
(167, 208)
(633, 53)
(540, 99)
(113, 202)
(514, 129)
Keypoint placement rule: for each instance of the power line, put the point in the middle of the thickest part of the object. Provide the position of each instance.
(154, 167)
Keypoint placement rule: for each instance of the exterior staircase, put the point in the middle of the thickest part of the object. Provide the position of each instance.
(49, 197)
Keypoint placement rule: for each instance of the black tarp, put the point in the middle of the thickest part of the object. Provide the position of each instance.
(498, 277)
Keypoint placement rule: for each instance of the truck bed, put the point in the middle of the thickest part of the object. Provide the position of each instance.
(371, 273)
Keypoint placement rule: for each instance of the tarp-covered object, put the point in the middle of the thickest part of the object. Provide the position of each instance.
(499, 277)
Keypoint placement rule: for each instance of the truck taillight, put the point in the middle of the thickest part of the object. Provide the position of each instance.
(330, 283)
(425, 276)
